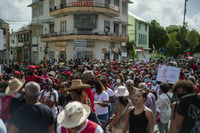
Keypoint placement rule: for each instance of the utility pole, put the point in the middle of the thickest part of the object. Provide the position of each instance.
(185, 10)
(7, 47)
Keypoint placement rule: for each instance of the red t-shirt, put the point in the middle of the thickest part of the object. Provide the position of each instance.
(91, 97)
(5, 107)
(34, 78)
(88, 127)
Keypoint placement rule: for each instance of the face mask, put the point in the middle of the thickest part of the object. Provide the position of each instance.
(128, 70)
(118, 80)
(3, 94)
(146, 80)
(17, 95)
(128, 77)
(93, 90)
(154, 81)
(110, 77)
(113, 80)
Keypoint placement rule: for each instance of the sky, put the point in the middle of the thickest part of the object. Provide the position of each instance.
(166, 12)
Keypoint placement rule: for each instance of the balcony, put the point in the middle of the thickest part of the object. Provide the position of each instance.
(71, 35)
(35, 3)
(85, 6)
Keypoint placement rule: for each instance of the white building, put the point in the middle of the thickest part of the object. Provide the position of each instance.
(139, 32)
(75, 28)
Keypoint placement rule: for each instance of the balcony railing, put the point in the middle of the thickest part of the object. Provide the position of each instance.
(100, 33)
(94, 4)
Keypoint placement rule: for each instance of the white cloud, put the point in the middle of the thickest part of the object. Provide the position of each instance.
(166, 12)
(194, 21)
(15, 12)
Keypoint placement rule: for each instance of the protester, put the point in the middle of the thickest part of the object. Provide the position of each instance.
(163, 108)
(150, 101)
(4, 102)
(73, 119)
(31, 76)
(131, 90)
(15, 88)
(139, 118)
(187, 116)
(101, 102)
(33, 117)
(78, 93)
(180, 89)
(49, 96)
(88, 78)
(2, 127)
(121, 109)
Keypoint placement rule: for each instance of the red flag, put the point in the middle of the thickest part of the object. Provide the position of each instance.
(142, 49)
(119, 51)
(188, 53)
(43, 59)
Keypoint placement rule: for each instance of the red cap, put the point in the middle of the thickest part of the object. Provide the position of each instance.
(32, 67)
(96, 72)
(17, 72)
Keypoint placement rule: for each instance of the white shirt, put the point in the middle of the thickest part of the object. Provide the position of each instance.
(103, 96)
(46, 95)
(163, 106)
(110, 92)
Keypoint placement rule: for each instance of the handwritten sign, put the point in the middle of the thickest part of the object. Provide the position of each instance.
(168, 73)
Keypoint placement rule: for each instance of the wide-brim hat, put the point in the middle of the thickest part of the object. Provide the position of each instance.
(14, 85)
(73, 115)
(121, 92)
(78, 84)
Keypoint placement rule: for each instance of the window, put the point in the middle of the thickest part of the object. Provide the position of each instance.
(116, 29)
(139, 27)
(116, 3)
(145, 27)
(124, 30)
(51, 4)
(35, 12)
(40, 31)
(85, 21)
(106, 26)
(63, 26)
(107, 3)
(40, 9)
(124, 9)
(51, 28)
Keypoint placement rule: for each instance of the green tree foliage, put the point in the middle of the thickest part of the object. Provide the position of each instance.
(192, 39)
(172, 45)
(157, 35)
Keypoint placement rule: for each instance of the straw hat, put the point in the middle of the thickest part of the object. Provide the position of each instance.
(121, 91)
(14, 85)
(73, 115)
(77, 84)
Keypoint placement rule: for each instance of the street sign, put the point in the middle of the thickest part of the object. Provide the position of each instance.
(80, 43)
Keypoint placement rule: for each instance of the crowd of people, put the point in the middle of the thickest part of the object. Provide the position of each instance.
(99, 96)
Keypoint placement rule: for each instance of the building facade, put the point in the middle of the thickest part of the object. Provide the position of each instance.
(87, 29)
(138, 32)
(20, 45)
(4, 44)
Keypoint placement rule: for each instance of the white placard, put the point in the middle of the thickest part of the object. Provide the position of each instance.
(124, 54)
(168, 73)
